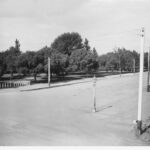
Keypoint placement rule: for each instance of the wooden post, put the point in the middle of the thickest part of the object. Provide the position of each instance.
(94, 93)
(119, 65)
(148, 86)
(133, 65)
(49, 76)
(139, 121)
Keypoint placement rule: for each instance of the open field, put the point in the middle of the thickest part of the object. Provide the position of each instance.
(63, 115)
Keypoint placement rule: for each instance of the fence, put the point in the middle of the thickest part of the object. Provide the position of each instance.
(13, 84)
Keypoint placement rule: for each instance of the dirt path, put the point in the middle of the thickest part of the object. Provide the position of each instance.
(63, 116)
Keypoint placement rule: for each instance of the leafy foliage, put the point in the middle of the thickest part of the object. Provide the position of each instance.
(58, 63)
(67, 42)
(11, 57)
(86, 44)
(120, 59)
(83, 60)
(68, 53)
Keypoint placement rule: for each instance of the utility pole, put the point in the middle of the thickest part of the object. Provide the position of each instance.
(49, 76)
(148, 86)
(139, 121)
(133, 65)
(119, 65)
(94, 93)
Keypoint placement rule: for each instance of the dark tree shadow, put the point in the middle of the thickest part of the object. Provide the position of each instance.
(98, 109)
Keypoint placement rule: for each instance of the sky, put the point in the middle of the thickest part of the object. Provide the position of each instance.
(107, 24)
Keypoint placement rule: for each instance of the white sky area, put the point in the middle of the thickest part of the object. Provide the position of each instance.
(105, 23)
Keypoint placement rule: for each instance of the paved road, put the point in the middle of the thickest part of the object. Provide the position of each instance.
(63, 115)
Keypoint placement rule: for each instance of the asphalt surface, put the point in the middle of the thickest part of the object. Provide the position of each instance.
(62, 115)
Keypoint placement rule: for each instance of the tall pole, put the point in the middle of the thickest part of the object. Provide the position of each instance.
(94, 93)
(133, 65)
(49, 76)
(120, 65)
(139, 121)
(148, 87)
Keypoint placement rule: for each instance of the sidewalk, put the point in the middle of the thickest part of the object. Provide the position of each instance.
(53, 85)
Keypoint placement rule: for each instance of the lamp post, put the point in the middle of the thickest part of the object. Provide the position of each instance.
(94, 93)
(139, 121)
(133, 65)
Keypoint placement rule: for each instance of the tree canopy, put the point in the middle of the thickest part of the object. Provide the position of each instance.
(67, 42)
(68, 53)
(120, 59)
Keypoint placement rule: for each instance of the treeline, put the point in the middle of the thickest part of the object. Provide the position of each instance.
(68, 53)
(122, 60)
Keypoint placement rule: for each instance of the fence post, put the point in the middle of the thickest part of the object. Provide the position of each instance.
(94, 93)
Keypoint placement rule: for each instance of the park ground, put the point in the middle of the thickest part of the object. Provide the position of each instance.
(62, 115)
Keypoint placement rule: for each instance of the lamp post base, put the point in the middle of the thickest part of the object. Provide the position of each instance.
(138, 127)
(94, 110)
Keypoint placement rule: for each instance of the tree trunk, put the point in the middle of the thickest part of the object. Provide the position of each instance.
(35, 76)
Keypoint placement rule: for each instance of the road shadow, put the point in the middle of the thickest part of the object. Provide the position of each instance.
(98, 109)
(90, 110)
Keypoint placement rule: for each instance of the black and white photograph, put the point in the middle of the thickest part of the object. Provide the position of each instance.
(74, 73)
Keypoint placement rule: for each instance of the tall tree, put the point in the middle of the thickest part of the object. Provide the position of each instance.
(95, 54)
(59, 62)
(86, 44)
(2, 64)
(66, 43)
(12, 55)
(77, 60)
(136, 56)
(119, 59)
(17, 45)
(83, 60)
